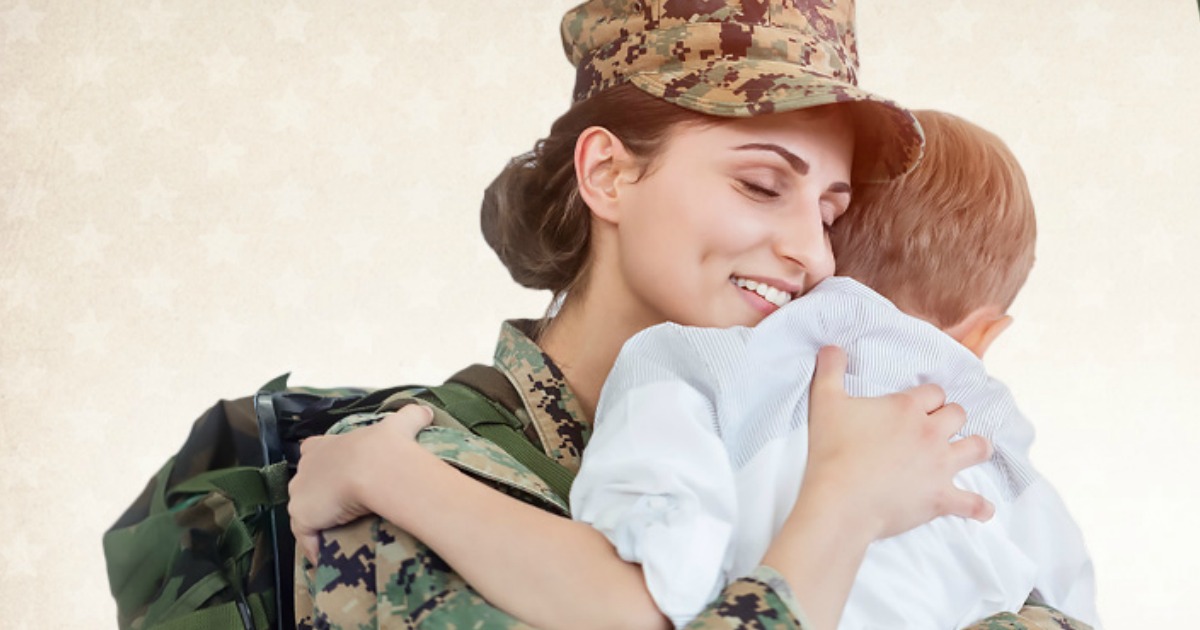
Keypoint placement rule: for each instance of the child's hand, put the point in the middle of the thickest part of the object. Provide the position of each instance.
(889, 459)
(333, 480)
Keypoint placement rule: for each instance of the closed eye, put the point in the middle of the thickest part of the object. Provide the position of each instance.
(758, 190)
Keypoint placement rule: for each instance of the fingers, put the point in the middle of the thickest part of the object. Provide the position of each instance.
(310, 442)
(306, 537)
(959, 502)
(965, 453)
(311, 545)
(928, 397)
(948, 420)
(969, 451)
(830, 375)
(410, 419)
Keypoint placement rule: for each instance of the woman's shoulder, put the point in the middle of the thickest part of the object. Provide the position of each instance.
(454, 442)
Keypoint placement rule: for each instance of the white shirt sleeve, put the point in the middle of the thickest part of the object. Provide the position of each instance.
(657, 482)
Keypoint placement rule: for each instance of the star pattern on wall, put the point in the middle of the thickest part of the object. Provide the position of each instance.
(422, 22)
(90, 68)
(224, 155)
(155, 111)
(156, 288)
(290, 23)
(154, 21)
(89, 155)
(357, 66)
(21, 23)
(224, 67)
(21, 111)
(19, 290)
(22, 198)
(290, 112)
(188, 191)
(156, 201)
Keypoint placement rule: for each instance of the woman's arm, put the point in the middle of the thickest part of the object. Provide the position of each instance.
(877, 467)
(570, 576)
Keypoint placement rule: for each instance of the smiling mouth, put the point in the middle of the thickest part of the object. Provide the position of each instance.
(767, 292)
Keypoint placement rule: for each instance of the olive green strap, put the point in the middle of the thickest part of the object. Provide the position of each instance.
(250, 614)
(492, 421)
(252, 487)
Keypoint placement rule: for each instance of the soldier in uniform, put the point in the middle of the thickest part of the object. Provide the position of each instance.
(710, 142)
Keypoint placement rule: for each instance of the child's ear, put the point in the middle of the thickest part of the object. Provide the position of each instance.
(600, 161)
(980, 328)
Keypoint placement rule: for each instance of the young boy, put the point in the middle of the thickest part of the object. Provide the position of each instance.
(950, 245)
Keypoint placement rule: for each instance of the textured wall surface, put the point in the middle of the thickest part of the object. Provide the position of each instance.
(198, 196)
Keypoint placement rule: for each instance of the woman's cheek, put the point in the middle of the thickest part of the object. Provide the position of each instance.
(739, 231)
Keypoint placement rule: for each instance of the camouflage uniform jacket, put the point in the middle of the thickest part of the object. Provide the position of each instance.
(371, 574)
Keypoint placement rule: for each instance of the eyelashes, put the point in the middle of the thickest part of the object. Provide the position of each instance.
(757, 190)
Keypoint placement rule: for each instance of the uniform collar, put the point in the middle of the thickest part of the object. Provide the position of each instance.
(556, 418)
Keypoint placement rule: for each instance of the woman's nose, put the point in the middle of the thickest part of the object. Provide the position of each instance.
(801, 239)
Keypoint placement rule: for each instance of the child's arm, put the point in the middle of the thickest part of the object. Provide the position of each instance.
(657, 482)
(655, 442)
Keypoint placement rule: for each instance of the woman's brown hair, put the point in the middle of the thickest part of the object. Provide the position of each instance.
(532, 214)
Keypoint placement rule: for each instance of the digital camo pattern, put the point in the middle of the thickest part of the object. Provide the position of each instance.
(373, 575)
(471, 454)
(740, 58)
(370, 574)
(552, 409)
(610, 40)
(1032, 617)
(759, 600)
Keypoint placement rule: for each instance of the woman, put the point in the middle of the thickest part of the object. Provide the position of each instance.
(709, 143)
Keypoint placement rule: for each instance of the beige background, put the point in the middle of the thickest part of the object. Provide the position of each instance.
(198, 196)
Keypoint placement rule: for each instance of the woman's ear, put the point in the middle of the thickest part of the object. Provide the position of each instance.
(600, 160)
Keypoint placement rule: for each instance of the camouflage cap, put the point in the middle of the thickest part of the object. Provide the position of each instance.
(741, 58)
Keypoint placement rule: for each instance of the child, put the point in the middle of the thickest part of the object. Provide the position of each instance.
(951, 244)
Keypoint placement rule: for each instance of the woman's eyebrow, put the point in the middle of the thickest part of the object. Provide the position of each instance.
(796, 162)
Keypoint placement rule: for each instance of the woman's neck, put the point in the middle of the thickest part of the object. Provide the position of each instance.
(584, 340)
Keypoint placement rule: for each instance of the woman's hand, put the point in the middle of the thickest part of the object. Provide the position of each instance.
(332, 482)
(876, 467)
(890, 457)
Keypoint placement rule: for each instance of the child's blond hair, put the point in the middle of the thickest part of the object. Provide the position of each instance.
(955, 234)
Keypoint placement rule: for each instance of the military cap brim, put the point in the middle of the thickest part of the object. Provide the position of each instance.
(741, 58)
(888, 138)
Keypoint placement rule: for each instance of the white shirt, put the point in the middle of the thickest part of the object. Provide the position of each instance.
(700, 446)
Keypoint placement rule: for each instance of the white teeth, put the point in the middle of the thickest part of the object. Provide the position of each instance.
(768, 293)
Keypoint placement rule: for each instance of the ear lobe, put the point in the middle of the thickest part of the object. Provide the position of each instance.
(599, 158)
(983, 330)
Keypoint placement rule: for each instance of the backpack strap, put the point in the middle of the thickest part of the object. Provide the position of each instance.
(477, 398)
(256, 489)
(480, 397)
(492, 383)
